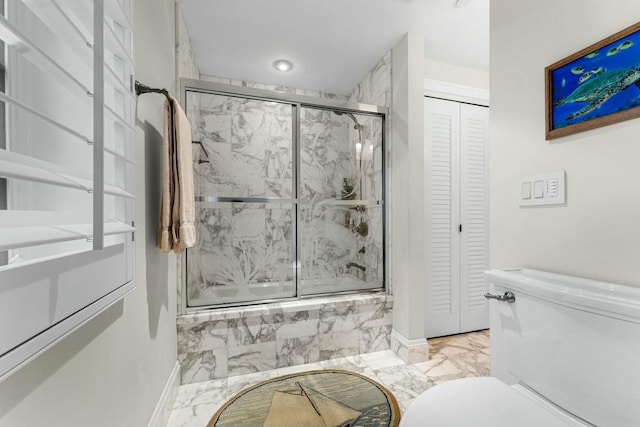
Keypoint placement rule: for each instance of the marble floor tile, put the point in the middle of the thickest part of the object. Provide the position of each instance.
(457, 356)
(201, 393)
(350, 363)
(299, 368)
(473, 364)
(456, 344)
(453, 357)
(197, 415)
(240, 382)
(404, 381)
(404, 405)
(382, 359)
(440, 368)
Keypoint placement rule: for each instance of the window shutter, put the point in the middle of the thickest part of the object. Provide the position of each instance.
(67, 173)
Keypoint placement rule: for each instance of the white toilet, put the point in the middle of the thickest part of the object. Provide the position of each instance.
(565, 352)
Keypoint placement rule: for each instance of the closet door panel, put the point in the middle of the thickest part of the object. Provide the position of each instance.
(442, 157)
(475, 217)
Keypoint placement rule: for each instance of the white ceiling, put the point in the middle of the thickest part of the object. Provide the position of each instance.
(332, 43)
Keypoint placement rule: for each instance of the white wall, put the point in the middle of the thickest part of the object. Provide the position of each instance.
(596, 234)
(450, 73)
(407, 231)
(112, 371)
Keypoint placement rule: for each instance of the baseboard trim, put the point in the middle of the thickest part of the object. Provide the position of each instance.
(160, 414)
(411, 351)
(407, 342)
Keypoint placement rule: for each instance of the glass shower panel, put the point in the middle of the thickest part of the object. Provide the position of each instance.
(244, 253)
(244, 146)
(340, 209)
(243, 178)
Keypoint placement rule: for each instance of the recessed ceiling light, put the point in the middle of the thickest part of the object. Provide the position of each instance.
(282, 65)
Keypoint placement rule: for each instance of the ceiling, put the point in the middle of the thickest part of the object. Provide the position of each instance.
(332, 43)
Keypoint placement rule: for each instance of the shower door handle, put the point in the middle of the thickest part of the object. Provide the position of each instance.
(508, 297)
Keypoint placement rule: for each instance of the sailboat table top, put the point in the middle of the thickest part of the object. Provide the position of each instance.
(327, 398)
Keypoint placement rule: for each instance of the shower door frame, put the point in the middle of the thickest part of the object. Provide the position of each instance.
(297, 102)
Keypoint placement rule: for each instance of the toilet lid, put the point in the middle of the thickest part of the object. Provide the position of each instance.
(481, 402)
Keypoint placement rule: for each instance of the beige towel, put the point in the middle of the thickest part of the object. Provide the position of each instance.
(177, 229)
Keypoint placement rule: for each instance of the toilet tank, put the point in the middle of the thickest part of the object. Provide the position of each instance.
(574, 341)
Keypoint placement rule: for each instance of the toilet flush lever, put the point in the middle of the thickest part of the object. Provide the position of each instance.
(508, 297)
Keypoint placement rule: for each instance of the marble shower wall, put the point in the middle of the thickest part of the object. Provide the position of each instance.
(186, 63)
(375, 87)
(186, 67)
(229, 342)
(249, 143)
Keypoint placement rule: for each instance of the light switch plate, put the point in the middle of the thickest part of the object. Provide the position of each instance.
(542, 189)
(538, 185)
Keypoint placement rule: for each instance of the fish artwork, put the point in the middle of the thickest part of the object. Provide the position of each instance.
(598, 70)
(626, 44)
(563, 83)
(613, 51)
(586, 76)
(592, 55)
(577, 70)
(600, 89)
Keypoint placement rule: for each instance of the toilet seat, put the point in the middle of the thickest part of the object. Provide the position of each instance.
(483, 402)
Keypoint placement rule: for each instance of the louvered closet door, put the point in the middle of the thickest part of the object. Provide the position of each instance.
(442, 159)
(474, 212)
(456, 159)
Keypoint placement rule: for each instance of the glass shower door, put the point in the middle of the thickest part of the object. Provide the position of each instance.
(340, 222)
(245, 214)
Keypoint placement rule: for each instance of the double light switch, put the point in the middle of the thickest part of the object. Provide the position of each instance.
(543, 189)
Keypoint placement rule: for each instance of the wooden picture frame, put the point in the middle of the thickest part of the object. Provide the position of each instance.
(595, 87)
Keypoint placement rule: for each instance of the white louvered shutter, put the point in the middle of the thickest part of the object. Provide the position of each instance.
(456, 145)
(67, 175)
(442, 152)
(474, 210)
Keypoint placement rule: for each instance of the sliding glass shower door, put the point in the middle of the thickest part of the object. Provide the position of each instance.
(288, 200)
(341, 201)
(244, 214)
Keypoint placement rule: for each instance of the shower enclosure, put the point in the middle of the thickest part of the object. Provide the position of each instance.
(289, 196)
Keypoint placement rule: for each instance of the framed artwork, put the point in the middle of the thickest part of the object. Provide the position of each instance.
(595, 87)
